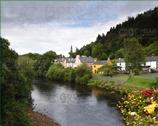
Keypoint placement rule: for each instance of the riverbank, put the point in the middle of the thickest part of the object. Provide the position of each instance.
(39, 119)
(138, 107)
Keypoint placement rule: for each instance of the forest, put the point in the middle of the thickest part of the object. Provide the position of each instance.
(143, 27)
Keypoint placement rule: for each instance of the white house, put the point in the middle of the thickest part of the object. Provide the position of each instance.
(69, 62)
(150, 62)
(121, 64)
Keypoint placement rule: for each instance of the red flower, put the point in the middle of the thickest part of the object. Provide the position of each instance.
(148, 92)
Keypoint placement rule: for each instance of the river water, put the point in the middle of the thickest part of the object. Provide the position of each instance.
(72, 105)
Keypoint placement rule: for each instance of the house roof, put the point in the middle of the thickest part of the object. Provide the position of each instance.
(59, 60)
(120, 60)
(85, 59)
(152, 58)
(70, 60)
(100, 62)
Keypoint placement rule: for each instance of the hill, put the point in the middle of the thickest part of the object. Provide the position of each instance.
(143, 27)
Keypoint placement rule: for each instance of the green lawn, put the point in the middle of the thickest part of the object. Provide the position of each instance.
(121, 77)
(139, 81)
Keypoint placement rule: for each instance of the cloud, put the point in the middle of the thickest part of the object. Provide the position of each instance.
(41, 38)
(56, 25)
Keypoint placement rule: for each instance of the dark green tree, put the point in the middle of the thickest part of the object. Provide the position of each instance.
(14, 89)
(134, 55)
(83, 74)
(43, 63)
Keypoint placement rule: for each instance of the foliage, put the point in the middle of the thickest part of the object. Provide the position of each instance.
(134, 55)
(152, 49)
(43, 63)
(108, 70)
(83, 74)
(138, 109)
(55, 72)
(143, 27)
(155, 84)
(14, 90)
(139, 81)
(119, 53)
(79, 75)
(33, 56)
(98, 51)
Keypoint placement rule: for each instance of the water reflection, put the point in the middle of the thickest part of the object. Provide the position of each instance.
(74, 105)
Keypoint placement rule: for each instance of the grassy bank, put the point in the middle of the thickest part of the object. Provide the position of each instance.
(137, 106)
(137, 81)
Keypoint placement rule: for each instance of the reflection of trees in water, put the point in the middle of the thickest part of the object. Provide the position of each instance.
(81, 90)
(44, 85)
(104, 95)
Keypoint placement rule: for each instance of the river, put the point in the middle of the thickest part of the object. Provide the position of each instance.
(72, 105)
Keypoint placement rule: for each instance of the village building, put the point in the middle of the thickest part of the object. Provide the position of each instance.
(69, 62)
(121, 64)
(151, 63)
(75, 62)
(97, 65)
(83, 60)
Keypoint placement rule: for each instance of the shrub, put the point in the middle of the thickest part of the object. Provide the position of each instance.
(83, 74)
(79, 75)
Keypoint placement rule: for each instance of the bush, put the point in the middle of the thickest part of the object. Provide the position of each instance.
(83, 74)
(155, 84)
(55, 72)
(69, 75)
(79, 75)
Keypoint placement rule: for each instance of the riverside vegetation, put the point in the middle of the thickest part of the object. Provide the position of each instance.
(16, 87)
(17, 73)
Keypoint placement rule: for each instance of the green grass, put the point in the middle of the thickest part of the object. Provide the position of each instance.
(121, 77)
(137, 81)
(140, 81)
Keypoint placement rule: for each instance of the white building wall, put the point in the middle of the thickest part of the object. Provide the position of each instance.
(152, 64)
(77, 61)
(122, 65)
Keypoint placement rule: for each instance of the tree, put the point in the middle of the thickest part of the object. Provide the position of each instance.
(98, 51)
(119, 53)
(14, 89)
(43, 63)
(152, 49)
(109, 68)
(144, 27)
(83, 74)
(134, 55)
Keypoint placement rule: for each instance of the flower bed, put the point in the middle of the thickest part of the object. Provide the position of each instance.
(139, 108)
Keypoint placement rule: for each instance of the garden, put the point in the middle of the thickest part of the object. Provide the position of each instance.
(137, 105)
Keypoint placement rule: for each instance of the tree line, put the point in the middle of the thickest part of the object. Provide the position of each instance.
(143, 27)
(16, 80)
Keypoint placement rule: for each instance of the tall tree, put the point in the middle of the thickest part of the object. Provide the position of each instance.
(14, 88)
(42, 64)
(134, 55)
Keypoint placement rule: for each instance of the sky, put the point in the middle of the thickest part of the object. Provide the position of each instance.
(40, 26)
